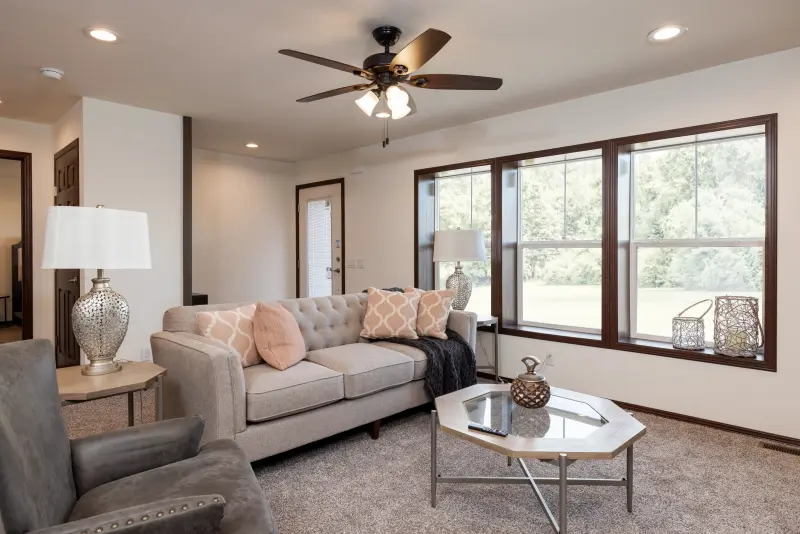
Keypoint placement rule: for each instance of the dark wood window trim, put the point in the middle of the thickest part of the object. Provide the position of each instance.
(614, 319)
(297, 229)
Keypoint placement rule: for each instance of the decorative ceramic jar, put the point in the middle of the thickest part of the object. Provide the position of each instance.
(530, 389)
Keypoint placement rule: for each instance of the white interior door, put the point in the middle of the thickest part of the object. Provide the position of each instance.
(321, 260)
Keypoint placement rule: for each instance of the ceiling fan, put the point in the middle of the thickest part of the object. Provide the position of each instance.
(385, 71)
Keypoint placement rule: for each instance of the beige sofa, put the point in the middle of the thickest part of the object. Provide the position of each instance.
(342, 384)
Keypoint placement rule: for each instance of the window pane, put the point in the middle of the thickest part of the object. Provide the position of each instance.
(465, 201)
(670, 279)
(454, 203)
(585, 199)
(542, 202)
(562, 287)
(319, 248)
(664, 190)
(732, 195)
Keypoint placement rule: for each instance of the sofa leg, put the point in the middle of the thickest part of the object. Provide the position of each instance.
(375, 429)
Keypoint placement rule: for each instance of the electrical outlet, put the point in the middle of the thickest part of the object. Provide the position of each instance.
(548, 361)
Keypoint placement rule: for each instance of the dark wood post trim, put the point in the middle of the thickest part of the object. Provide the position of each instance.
(187, 211)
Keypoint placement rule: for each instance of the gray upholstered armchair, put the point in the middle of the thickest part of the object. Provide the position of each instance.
(148, 479)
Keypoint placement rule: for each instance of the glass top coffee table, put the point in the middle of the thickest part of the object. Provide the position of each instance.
(572, 427)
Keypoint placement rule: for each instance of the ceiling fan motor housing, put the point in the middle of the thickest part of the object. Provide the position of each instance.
(375, 61)
(386, 36)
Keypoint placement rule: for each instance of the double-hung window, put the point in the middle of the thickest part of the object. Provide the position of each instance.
(697, 224)
(463, 200)
(559, 272)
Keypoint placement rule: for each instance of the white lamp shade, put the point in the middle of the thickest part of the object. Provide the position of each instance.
(458, 245)
(96, 238)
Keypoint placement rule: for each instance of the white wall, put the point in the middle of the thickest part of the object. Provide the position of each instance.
(242, 228)
(380, 218)
(37, 139)
(132, 160)
(10, 226)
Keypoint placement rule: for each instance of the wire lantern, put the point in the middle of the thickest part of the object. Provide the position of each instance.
(689, 332)
(737, 328)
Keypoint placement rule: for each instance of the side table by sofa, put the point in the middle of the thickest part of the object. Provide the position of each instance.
(73, 387)
(488, 320)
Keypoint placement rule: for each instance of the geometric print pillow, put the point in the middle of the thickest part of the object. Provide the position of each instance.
(235, 329)
(390, 314)
(432, 312)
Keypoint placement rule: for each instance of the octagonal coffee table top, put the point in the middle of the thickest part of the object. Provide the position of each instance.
(134, 376)
(581, 426)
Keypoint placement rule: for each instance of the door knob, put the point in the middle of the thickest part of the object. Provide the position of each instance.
(73, 280)
(336, 270)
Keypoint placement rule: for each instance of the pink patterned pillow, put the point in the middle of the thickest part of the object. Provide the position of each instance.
(235, 329)
(432, 312)
(390, 314)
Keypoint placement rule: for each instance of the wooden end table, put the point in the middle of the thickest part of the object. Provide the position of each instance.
(75, 388)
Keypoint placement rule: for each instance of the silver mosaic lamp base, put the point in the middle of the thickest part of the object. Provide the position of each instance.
(462, 285)
(100, 322)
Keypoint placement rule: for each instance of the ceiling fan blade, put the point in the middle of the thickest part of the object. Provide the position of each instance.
(419, 51)
(336, 92)
(327, 63)
(455, 81)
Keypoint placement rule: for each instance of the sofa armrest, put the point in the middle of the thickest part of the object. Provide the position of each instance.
(204, 378)
(102, 458)
(465, 324)
(184, 514)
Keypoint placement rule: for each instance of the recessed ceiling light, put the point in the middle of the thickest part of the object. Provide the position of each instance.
(251, 145)
(102, 34)
(666, 33)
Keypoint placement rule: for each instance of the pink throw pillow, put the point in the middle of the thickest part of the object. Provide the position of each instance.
(234, 328)
(390, 314)
(433, 310)
(278, 336)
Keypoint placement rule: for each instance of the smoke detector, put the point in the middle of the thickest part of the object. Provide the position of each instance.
(52, 73)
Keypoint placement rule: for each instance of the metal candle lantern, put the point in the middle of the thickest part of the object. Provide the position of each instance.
(689, 332)
(737, 328)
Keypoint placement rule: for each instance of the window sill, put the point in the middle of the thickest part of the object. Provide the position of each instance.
(660, 348)
(552, 334)
(654, 348)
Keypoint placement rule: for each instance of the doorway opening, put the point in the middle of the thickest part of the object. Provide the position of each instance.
(16, 270)
(320, 238)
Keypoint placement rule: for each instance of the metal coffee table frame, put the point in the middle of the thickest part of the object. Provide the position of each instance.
(623, 429)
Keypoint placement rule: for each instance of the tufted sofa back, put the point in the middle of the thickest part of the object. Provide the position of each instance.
(324, 321)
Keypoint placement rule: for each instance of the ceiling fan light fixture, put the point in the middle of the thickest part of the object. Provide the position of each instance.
(397, 98)
(400, 112)
(382, 110)
(368, 102)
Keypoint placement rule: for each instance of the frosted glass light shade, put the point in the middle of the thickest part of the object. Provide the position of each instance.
(396, 97)
(96, 238)
(399, 113)
(458, 245)
(367, 102)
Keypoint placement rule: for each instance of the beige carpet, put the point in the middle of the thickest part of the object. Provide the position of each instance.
(687, 479)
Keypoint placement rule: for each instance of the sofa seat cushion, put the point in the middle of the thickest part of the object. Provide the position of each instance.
(417, 355)
(271, 393)
(219, 468)
(366, 367)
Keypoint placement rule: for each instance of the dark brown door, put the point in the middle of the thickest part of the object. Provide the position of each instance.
(67, 280)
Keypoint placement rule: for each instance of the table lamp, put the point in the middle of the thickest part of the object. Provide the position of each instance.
(459, 245)
(97, 238)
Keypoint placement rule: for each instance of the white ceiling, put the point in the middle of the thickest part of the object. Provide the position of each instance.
(217, 61)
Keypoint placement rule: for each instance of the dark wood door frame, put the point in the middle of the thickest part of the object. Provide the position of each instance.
(25, 158)
(297, 229)
(66, 192)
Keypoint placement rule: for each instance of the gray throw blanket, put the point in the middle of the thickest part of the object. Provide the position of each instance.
(451, 362)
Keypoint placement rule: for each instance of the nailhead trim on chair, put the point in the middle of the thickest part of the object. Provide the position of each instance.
(160, 513)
